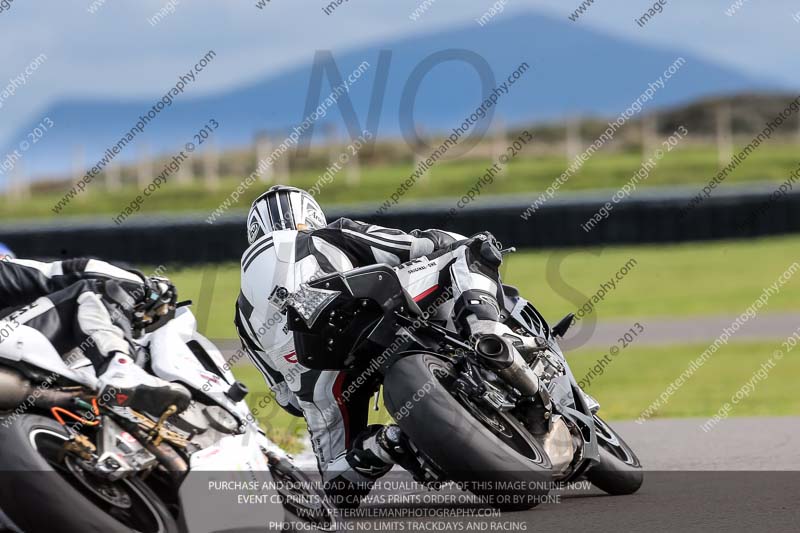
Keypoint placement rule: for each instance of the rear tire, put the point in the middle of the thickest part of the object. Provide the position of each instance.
(619, 472)
(456, 442)
(39, 497)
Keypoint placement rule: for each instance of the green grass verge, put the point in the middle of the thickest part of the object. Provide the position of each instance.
(672, 281)
(630, 383)
(684, 166)
(637, 376)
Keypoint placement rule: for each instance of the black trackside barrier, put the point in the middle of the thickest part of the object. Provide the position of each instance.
(650, 216)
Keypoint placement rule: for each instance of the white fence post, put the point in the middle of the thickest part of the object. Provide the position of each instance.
(573, 139)
(144, 167)
(263, 149)
(211, 166)
(112, 177)
(649, 135)
(724, 134)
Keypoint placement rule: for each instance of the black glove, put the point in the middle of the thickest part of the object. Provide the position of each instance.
(159, 292)
(485, 246)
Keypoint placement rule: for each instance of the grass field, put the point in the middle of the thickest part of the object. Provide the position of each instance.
(671, 281)
(631, 382)
(684, 166)
(637, 377)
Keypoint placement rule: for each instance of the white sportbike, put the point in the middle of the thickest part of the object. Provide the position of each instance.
(70, 464)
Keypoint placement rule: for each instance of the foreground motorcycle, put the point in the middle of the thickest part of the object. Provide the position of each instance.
(509, 429)
(70, 464)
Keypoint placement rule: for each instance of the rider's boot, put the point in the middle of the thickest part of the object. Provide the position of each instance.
(125, 384)
(379, 448)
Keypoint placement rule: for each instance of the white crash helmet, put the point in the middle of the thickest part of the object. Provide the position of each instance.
(283, 207)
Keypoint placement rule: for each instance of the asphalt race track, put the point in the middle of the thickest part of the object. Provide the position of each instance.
(694, 330)
(664, 331)
(696, 481)
(721, 480)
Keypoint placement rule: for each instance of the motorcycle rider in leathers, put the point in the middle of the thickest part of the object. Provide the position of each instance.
(290, 242)
(90, 311)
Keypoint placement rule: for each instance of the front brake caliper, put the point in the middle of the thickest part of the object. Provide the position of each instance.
(81, 446)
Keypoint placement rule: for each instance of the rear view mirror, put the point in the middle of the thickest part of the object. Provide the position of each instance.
(560, 329)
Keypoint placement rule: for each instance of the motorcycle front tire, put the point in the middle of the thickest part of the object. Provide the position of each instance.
(37, 498)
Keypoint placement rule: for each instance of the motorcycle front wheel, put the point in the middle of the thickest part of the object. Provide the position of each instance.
(45, 489)
(619, 471)
(307, 507)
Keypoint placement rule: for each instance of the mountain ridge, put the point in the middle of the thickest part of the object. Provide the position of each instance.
(575, 71)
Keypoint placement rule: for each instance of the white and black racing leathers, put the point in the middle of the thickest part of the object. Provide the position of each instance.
(86, 308)
(68, 302)
(433, 266)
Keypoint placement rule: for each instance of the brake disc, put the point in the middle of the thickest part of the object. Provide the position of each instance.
(107, 491)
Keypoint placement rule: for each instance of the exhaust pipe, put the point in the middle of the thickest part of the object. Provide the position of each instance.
(507, 363)
(170, 459)
(16, 390)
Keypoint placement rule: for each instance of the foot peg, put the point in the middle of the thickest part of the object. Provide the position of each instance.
(155, 434)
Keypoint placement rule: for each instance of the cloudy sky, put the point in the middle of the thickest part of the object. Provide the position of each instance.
(116, 52)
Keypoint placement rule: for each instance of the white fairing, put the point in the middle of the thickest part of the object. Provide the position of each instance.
(215, 356)
(225, 371)
(173, 360)
(208, 502)
(239, 453)
(31, 346)
(236, 458)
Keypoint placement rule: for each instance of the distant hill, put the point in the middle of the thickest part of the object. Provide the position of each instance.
(750, 112)
(576, 71)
